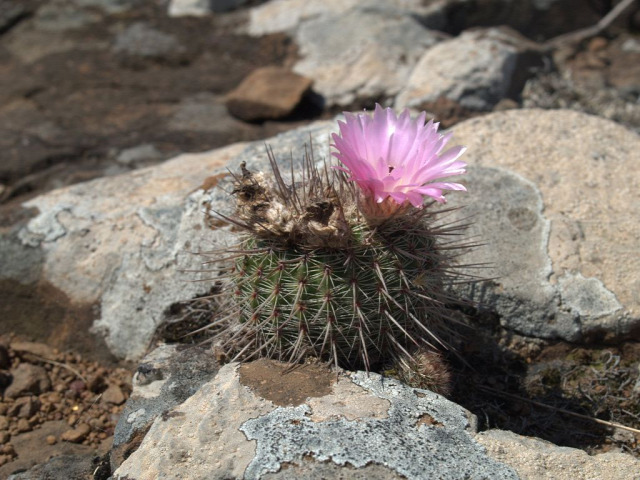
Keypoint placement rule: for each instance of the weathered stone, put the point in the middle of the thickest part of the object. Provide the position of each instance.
(267, 93)
(365, 420)
(125, 253)
(361, 53)
(551, 195)
(288, 15)
(33, 350)
(28, 379)
(475, 70)
(165, 378)
(533, 458)
(24, 407)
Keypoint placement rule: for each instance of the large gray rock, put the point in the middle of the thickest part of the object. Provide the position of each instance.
(553, 199)
(287, 15)
(240, 426)
(116, 243)
(259, 420)
(361, 53)
(473, 71)
(550, 193)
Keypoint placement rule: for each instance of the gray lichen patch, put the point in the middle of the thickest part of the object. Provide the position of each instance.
(587, 296)
(397, 442)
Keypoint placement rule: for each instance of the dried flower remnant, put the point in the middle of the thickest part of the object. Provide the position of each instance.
(396, 160)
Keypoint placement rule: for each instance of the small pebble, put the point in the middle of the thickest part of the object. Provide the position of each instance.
(77, 435)
(51, 440)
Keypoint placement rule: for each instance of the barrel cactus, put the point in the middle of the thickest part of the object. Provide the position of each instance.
(347, 263)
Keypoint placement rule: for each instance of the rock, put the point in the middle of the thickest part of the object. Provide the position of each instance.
(141, 40)
(125, 252)
(113, 395)
(4, 422)
(28, 379)
(63, 467)
(76, 435)
(287, 15)
(166, 377)
(24, 407)
(59, 16)
(200, 8)
(562, 247)
(11, 12)
(361, 54)
(33, 351)
(474, 70)
(129, 256)
(246, 429)
(203, 112)
(31, 449)
(139, 155)
(267, 93)
(23, 425)
(533, 458)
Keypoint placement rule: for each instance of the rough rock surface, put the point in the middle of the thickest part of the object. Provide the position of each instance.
(287, 15)
(572, 273)
(535, 459)
(165, 378)
(566, 259)
(475, 71)
(121, 255)
(361, 53)
(267, 93)
(232, 429)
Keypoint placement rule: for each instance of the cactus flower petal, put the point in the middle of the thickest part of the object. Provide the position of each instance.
(390, 156)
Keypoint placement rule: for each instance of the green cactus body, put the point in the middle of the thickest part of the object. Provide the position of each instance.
(356, 304)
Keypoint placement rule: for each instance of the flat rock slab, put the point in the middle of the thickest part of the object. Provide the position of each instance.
(228, 429)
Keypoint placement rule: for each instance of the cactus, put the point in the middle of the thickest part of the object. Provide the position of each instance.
(328, 268)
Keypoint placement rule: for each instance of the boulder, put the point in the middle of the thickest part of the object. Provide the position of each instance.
(242, 424)
(114, 253)
(264, 420)
(473, 71)
(551, 197)
(361, 54)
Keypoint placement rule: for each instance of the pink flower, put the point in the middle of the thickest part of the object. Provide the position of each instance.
(397, 157)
